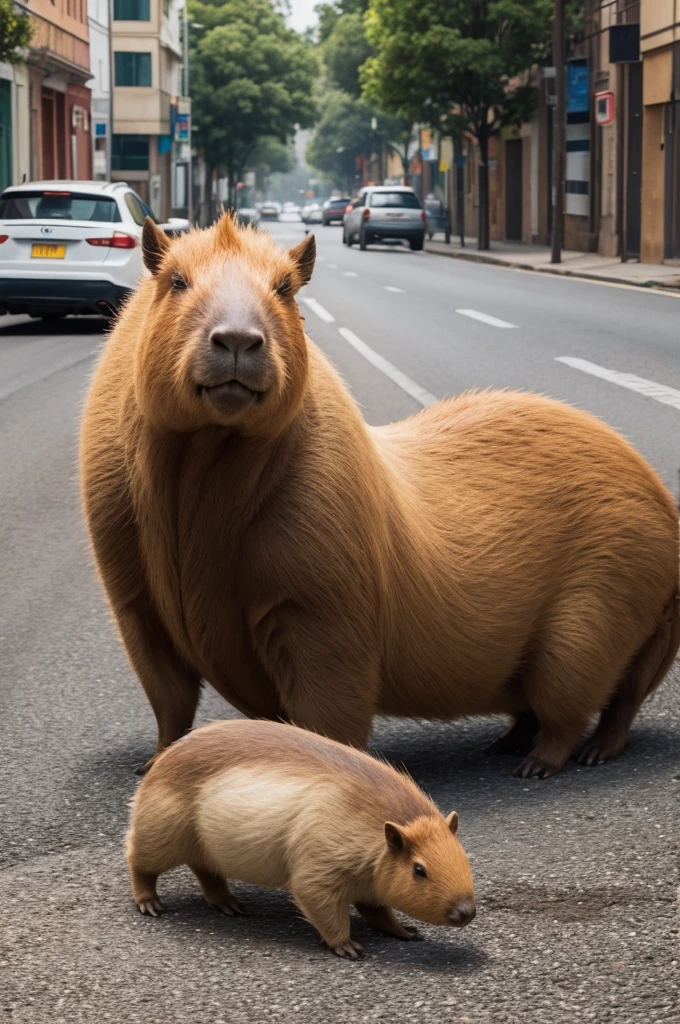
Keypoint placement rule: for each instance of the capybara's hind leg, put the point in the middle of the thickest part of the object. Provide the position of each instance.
(518, 738)
(217, 892)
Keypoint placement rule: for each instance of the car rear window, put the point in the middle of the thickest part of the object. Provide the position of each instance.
(338, 202)
(59, 206)
(406, 200)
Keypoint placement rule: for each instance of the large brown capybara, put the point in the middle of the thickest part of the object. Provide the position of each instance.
(497, 552)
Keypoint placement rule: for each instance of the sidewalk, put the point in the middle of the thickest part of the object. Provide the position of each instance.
(574, 264)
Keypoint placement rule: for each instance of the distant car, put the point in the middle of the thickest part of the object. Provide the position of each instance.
(270, 211)
(334, 210)
(385, 212)
(71, 246)
(248, 215)
(312, 214)
(291, 208)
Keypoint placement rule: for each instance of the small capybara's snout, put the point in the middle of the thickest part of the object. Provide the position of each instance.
(233, 366)
(462, 912)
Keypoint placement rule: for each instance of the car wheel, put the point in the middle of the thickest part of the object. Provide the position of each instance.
(417, 243)
(362, 239)
(350, 239)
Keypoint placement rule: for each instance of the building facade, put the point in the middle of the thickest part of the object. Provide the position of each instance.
(100, 84)
(58, 65)
(147, 64)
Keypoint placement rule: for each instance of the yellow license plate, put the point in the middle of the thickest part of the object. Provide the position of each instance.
(48, 252)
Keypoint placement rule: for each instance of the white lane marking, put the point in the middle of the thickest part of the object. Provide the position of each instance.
(391, 288)
(317, 308)
(333, 266)
(423, 397)
(660, 392)
(484, 318)
(320, 259)
(349, 273)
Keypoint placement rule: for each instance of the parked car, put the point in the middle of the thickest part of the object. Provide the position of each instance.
(248, 215)
(334, 210)
(71, 246)
(312, 214)
(270, 210)
(291, 209)
(385, 212)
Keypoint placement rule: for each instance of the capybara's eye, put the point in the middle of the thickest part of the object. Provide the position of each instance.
(284, 286)
(419, 871)
(178, 282)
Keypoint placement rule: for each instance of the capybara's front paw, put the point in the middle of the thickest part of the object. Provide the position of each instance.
(351, 950)
(533, 767)
(595, 753)
(152, 906)
(413, 933)
(142, 769)
(230, 906)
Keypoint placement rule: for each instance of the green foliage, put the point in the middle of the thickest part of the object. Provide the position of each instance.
(437, 55)
(329, 12)
(344, 51)
(15, 32)
(343, 133)
(252, 79)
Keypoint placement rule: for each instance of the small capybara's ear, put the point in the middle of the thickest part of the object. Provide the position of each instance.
(155, 244)
(226, 231)
(396, 840)
(452, 822)
(303, 256)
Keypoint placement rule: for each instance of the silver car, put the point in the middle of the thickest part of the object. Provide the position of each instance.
(382, 212)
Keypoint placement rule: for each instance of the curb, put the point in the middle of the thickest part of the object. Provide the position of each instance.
(583, 275)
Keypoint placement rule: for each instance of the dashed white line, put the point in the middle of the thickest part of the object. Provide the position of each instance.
(484, 318)
(660, 392)
(392, 288)
(320, 311)
(423, 397)
(349, 273)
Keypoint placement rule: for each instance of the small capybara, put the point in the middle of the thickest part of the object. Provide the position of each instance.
(497, 552)
(274, 805)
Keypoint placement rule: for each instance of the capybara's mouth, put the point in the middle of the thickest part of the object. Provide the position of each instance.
(230, 395)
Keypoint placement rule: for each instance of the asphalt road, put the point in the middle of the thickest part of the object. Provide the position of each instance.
(577, 876)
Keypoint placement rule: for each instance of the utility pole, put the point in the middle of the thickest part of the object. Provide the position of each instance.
(560, 122)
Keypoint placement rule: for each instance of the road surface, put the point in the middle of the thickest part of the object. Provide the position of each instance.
(577, 876)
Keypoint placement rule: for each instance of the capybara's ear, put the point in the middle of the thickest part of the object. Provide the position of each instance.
(155, 244)
(452, 822)
(303, 256)
(226, 231)
(396, 839)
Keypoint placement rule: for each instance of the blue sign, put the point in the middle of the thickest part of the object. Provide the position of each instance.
(100, 128)
(578, 98)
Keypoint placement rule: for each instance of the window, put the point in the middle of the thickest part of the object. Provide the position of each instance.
(133, 69)
(406, 200)
(131, 10)
(59, 206)
(135, 207)
(130, 153)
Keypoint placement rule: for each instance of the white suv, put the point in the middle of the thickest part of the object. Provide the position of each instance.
(71, 246)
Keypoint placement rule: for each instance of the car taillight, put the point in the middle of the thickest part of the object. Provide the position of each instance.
(348, 209)
(367, 213)
(423, 216)
(118, 240)
(3, 238)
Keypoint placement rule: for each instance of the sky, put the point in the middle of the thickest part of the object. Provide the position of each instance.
(302, 14)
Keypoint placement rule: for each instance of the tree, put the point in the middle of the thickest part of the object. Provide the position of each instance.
(464, 63)
(342, 135)
(15, 32)
(252, 80)
(344, 51)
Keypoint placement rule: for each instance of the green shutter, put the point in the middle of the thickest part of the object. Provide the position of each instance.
(5, 133)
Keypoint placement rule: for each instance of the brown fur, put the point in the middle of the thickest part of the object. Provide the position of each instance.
(275, 805)
(497, 552)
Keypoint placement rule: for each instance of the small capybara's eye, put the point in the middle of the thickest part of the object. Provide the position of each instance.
(419, 871)
(284, 286)
(178, 282)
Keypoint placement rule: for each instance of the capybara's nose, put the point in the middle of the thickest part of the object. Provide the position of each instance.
(236, 341)
(462, 913)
